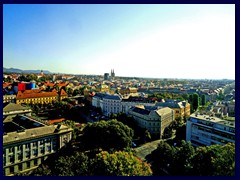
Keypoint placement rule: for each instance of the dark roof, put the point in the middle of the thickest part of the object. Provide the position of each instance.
(141, 111)
(114, 97)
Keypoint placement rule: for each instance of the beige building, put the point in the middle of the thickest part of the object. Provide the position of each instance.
(154, 119)
(181, 108)
(9, 98)
(28, 142)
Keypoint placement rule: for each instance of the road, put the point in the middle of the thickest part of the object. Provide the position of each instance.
(146, 149)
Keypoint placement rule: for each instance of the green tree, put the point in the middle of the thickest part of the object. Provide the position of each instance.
(195, 101)
(119, 164)
(163, 158)
(215, 160)
(203, 100)
(107, 135)
(181, 162)
(75, 165)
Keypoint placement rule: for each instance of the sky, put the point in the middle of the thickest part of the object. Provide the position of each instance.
(136, 40)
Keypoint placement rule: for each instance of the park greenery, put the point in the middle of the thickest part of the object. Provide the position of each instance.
(119, 163)
(185, 160)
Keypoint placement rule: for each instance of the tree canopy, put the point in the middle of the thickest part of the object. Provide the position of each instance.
(184, 159)
(119, 164)
(107, 135)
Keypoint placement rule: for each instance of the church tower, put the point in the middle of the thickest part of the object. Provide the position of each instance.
(112, 73)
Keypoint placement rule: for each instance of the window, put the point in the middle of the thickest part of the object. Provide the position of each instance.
(49, 149)
(20, 167)
(19, 148)
(27, 164)
(27, 154)
(11, 169)
(42, 150)
(19, 156)
(35, 152)
(35, 162)
(10, 150)
(34, 144)
(11, 159)
(41, 142)
(27, 146)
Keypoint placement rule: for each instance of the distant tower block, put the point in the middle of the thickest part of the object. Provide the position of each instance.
(41, 72)
(106, 76)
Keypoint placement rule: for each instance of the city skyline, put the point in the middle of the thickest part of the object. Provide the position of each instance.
(158, 41)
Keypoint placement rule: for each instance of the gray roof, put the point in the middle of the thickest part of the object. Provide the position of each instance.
(172, 104)
(163, 111)
(32, 133)
(113, 97)
(15, 107)
(140, 110)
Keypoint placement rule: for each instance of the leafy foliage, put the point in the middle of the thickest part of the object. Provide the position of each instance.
(214, 160)
(185, 160)
(119, 164)
(107, 135)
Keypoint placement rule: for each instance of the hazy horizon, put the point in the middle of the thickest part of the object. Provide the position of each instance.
(155, 41)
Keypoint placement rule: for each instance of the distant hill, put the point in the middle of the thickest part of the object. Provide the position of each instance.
(14, 70)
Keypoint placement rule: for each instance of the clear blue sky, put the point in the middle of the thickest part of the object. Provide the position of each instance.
(162, 41)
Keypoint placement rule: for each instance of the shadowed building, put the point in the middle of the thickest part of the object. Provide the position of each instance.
(28, 142)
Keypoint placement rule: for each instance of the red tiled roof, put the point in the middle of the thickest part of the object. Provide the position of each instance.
(6, 85)
(63, 93)
(49, 84)
(32, 91)
(21, 95)
(63, 84)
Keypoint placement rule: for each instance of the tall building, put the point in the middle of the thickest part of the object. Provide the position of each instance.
(205, 130)
(106, 76)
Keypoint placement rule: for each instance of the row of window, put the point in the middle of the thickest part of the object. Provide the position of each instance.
(23, 166)
(19, 156)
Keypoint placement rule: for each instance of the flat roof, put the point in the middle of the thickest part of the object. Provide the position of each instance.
(213, 119)
(20, 123)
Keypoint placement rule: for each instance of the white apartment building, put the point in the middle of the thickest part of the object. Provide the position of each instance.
(154, 119)
(108, 103)
(205, 130)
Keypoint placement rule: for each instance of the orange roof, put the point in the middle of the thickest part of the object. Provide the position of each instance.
(6, 85)
(63, 93)
(21, 95)
(63, 84)
(32, 91)
(56, 120)
(49, 84)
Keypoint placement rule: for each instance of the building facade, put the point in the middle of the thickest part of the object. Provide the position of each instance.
(205, 130)
(9, 98)
(155, 120)
(39, 97)
(108, 103)
(181, 108)
(27, 143)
